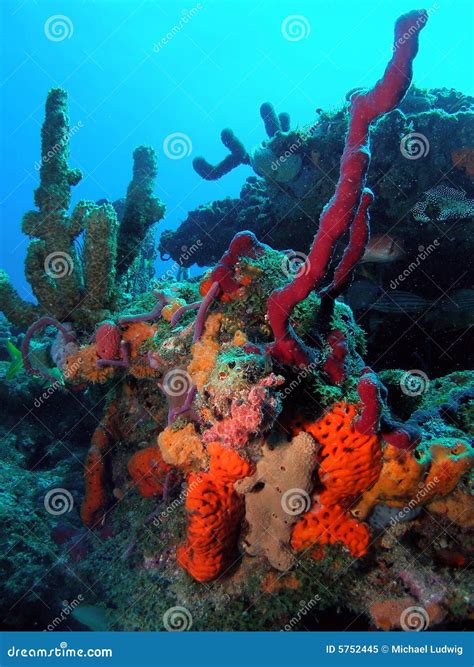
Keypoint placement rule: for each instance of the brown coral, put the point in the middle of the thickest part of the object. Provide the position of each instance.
(463, 158)
(275, 495)
(458, 507)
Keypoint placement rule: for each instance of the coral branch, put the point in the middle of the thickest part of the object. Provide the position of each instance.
(202, 312)
(188, 401)
(274, 123)
(142, 208)
(342, 208)
(19, 312)
(244, 244)
(237, 155)
(184, 309)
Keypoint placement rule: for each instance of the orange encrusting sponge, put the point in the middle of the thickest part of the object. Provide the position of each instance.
(350, 462)
(214, 512)
(148, 470)
(95, 497)
(330, 525)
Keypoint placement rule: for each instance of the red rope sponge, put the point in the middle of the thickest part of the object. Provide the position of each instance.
(341, 210)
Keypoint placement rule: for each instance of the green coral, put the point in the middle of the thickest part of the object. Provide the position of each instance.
(74, 261)
(142, 208)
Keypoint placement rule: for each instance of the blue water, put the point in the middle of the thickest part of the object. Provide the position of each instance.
(128, 85)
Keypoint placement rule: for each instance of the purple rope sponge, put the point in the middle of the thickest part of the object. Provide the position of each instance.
(154, 313)
(36, 327)
(203, 308)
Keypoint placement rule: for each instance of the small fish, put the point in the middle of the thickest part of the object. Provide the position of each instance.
(400, 302)
(362, 294)
(455, 312)
(443, 203)
(383, 248)
(16, 360)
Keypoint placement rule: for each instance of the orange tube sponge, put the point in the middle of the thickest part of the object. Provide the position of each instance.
(350, 462)
(400, 479)
(148, 471)
(214, 512)
(450, 460)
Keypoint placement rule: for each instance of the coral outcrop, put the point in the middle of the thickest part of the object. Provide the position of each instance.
(72, 263)
(243, 435)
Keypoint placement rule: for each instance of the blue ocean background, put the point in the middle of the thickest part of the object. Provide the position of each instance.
(129, 84)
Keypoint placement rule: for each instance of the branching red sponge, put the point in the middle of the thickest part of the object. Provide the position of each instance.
(340, 212)
(215, 512)
(350, 462)
(244, 244)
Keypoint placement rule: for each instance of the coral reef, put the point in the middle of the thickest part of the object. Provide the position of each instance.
(244, 443)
